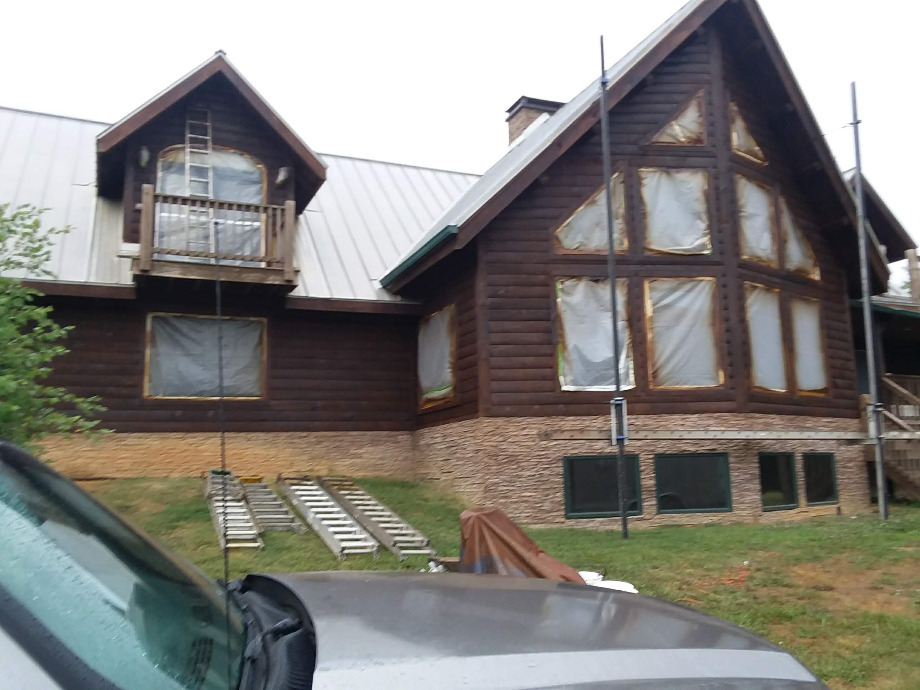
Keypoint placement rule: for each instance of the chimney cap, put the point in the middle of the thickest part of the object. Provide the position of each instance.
(533, 104)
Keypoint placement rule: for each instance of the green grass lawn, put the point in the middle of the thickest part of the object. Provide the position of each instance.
(841, 593)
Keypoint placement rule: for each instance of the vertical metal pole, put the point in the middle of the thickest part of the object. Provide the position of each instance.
(617, 405)
(874, 413)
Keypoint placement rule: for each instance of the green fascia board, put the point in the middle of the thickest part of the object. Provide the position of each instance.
(884, 309)
(444, 234)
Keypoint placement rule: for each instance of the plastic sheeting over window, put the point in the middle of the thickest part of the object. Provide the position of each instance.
(183, 357)
(688, 128)
(676, 211)
(436, 357)
(810, 369)
(798, 254)
(586, 335)
(682, 332)
(235, 177)
(586, 229)
(743, 142)
(765, 331)
(755, 213)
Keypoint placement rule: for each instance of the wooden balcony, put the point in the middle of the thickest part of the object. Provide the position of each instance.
(195, 238)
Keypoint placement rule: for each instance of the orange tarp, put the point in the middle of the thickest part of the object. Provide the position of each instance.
(491, 543)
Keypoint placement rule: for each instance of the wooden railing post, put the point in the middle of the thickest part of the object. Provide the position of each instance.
(287, 239)
(145, 259)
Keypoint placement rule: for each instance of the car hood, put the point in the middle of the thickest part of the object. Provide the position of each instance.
(392, 630)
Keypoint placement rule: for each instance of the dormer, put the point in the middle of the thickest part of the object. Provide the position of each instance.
(209, 173)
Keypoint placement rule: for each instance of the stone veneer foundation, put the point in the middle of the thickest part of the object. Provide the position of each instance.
(487, 461)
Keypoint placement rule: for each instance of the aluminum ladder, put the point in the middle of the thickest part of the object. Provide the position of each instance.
(338, 530)
(233, 521)
(382, 523)
(199, 178)
(269, 511)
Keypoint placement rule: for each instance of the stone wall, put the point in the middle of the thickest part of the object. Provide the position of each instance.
(352, 453)
(504, 463)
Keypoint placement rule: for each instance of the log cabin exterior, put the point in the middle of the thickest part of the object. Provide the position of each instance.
(469, 345)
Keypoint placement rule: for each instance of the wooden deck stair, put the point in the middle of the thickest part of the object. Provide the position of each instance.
(901, 411)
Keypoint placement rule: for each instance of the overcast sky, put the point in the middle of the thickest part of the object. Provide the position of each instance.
(427, 83)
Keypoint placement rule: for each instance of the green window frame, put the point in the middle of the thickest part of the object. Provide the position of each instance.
(574, 469)
(692, 466)
(777, 476)
(825, 476)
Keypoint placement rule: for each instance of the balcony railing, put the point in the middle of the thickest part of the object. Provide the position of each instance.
(206, 231)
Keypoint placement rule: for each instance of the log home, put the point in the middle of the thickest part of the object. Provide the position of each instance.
(386, 319)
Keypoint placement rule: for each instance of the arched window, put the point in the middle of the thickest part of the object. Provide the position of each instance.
(222, 174)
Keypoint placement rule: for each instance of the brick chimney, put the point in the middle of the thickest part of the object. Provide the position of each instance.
(525, 111)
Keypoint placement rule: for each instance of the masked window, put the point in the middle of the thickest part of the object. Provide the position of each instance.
(742, 141)
(765, 333)
(183, 357)
(688, 128)
(436, 357)
(810, 370)
(185, 227)
(676, 211)
(586, 229)
(755, 211)
(798, 254)
(585, 354)
(682, 333)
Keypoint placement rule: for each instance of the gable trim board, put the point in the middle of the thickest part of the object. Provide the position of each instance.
(521, 166)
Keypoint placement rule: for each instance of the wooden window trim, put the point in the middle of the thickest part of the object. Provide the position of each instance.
(263, 373)
(567, 470)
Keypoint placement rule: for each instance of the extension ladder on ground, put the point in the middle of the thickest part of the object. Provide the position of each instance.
(340, 532)
(233, 521)
(381, 522)
(269, 511)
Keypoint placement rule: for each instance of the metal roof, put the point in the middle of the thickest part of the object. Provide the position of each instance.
(365, 215)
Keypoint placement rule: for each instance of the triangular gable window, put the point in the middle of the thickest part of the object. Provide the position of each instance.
(743, 142)
(586, 229)
(688, 128)
(798, 255)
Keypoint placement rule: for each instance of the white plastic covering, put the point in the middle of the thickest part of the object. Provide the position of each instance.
(586, 229)
(688, 128)
(682, 332)
(586, 335)
(765, 331)
(676, 211)
(436, 356)
(755, 215)
(810, 369)
(183, 357)
(236, 177)
(798, 254)
(742, 141)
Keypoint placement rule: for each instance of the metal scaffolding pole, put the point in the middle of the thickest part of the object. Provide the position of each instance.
(874, 410)
(618, 404)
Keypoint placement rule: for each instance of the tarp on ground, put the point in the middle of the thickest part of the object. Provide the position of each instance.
(490, 543)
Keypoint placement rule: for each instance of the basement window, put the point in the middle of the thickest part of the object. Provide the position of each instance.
(586, 229)
(585, 327)
(820, 478)
(182, 356)
(693, 483)
(436, 358)
(676, 210)
(682, 333)
(778, 488)
(592, 486)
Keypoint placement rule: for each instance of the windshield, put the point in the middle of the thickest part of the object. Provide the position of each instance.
(128, 610)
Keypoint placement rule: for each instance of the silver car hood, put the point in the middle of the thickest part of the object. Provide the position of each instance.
(392, 630)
